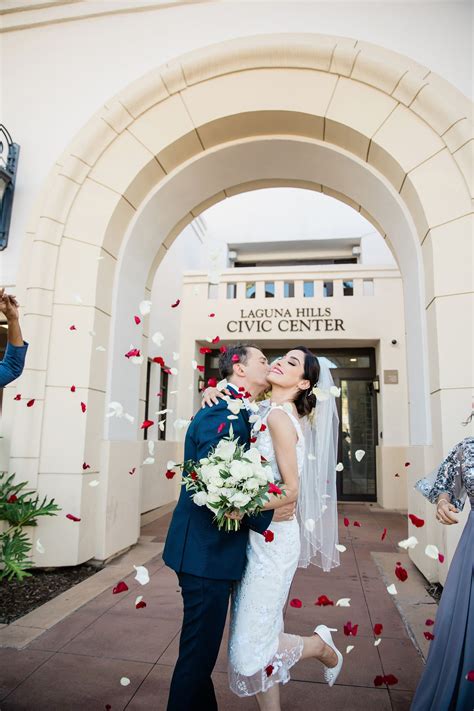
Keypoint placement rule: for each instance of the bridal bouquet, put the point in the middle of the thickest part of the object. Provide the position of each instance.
(230, 478)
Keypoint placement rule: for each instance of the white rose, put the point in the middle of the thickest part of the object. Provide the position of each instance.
(239, 499)
(253, 455)
(251, 484)
(225, 450)
(241, 470)
(200, 498)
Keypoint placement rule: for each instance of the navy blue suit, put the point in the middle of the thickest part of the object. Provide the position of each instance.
(207, 562)
(11, 367)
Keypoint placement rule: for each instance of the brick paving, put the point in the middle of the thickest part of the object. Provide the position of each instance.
(78, 663)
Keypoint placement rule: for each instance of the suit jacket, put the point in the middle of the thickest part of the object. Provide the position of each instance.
(194, 544)
(11, 367)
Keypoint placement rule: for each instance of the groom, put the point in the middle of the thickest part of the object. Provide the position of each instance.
(208, 560)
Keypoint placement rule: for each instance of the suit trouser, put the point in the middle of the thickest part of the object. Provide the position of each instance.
(205, 610)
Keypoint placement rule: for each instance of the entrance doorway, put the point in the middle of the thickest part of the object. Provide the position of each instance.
(353, 370)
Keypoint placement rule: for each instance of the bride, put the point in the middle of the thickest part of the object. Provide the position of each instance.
(297, 433)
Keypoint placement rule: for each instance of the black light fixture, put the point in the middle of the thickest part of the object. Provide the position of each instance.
(9, 153)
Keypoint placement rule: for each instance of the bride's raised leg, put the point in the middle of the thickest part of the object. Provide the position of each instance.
(269, 700)
(315, 647)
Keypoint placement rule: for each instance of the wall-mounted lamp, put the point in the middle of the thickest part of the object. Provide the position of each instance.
(9, 153)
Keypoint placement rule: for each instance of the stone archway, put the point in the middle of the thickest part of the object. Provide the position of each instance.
(403, 128)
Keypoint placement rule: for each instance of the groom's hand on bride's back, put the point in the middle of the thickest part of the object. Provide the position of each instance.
(285, 513)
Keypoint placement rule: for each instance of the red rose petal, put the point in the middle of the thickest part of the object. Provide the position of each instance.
(253, 440)
(223, 349)
(137, 319)
(205, 349)
(159, 360)
(73, 388)
(428, 635)
(169, 474)
(140, 604)
(346, 521)
(390, 679)
(470, 675)
(263, 428)
(378, 629)
(269, 536)
(120, 587)
(72, 328)
(133, 353)
(418, 522)
(211, 315)
(132, 471)
(296, 603)
(71, 517)
(200, 368)
(397, 475)
(441, 557)
(216, 340)
(382, 537)
(11, 499)
(356, 523)
(429, 622)
(83, 406)
(212, 382)
(379, 680)
(269, 670)
(235, 358)
(146, 423)
(401, 573)
(407, 464)
(17, 397)
(86, 466)
(176, 303)
(323, 601)
(221, 427)
(350, 629)
(30, 403)
(193, 476)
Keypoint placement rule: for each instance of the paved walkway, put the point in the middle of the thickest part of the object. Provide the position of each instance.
(79, 662)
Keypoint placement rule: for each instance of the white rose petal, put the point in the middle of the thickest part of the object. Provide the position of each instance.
(174, 371)
(125, 681)
(349, 648)
(158, 339)
(149, 460)
(144, 307)
(391, 589)
(94, 483)
(334, 390)
(142, 575)
(339, 467)
(161, 425)
(320, 394)
(340, 548)
(309, 524)
(408, 542)
(102, 349)
(323, 508)
(235, 406)
(175, 356)
(200, 498)
(39, 546)
(359, 454)
(432, 551)
(138, 599)
(232, 417)
(170, 464)
(344, 602)
(151, 447)
(194, 364)
(377, 642)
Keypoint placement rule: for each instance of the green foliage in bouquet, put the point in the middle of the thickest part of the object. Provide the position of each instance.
(19, 510)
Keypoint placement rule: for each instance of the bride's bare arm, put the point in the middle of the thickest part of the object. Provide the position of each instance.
(284, 440)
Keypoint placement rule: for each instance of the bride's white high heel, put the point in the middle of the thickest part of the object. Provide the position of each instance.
(330, 673)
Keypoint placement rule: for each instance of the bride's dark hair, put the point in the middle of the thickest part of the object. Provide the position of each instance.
(305, 401)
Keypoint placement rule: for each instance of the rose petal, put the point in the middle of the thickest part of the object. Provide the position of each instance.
(391, 589)
(349, 648)
(344, 602)
(359, 454)
(431, 551)
(144, 307)
(356, 523)
(441, 557)
(382, 537)
(429, 636)
(176, 303)
(296, 603)
(73, 388)
(377, 642)
(340, 548)
(324, 601)
(346, 521)
(94, 483)
(169, 473)
(269, 536)
(401, 573)
(470, 675)
(83, 406)
(429, 622)
(146, 423)
(158, 339)
(211, 315)
(17, 397)
(418, 522)
(137, 319)
(142, 575)
(309, 524)
(339, 467)
(132, 471)
(86, 466)
(39, 546)
(71, 517)
(378, 629)
(409, 542)
(269, 670)
(125, 681)
(120, 587)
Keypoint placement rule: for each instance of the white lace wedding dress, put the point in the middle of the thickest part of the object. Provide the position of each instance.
(260, 652)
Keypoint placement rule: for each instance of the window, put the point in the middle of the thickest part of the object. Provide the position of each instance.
(212, 291)
(231, 291)
(368, 287)
(348, 288)
(250, 290)
(147, 401)
(328, 288)
(163, 404)
(289, 289)
(269, 289)
(308, 289)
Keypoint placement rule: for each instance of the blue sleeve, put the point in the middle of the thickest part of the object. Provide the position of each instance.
(211, 425)
(11, 367)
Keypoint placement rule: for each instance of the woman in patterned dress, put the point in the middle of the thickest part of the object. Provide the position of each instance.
(447, 682)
